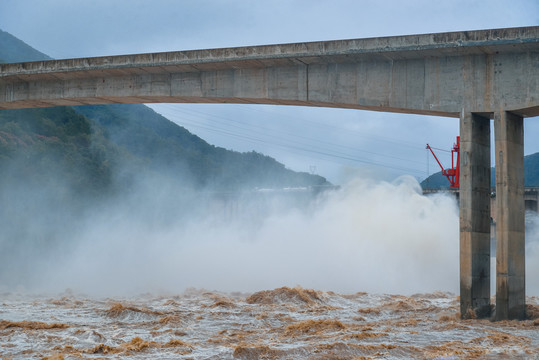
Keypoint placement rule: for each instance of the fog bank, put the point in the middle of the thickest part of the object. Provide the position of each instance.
(373, 236)
(366, 236)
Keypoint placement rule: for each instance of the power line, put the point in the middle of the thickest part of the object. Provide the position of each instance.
(275, 142)
(327, 154)
(358, 134)
(256, 130)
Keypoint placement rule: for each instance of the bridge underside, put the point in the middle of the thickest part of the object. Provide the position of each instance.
(427, 86)
(474, 75)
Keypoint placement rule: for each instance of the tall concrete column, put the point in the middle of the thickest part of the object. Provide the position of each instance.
(510, 264)
(474, 215)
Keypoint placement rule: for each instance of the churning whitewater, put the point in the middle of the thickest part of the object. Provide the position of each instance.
(285, 323)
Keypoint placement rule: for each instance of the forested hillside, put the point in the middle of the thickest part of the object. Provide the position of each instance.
(15, 50)
(167, 147)
(38, 143)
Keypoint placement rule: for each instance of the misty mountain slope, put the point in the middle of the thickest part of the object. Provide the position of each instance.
(531, 175)
(171, 149)
(15, 50)
(40, 146)
(531, 170)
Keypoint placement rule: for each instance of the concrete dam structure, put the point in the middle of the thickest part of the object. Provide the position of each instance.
(473, 75)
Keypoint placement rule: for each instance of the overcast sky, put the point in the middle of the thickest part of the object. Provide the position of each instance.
(331, 142)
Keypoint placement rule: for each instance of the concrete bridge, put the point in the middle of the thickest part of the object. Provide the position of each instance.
(473, 75)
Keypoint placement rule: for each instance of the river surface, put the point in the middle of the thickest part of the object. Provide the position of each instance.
(285, 323)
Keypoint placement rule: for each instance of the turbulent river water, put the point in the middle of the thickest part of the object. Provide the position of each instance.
(285, 323)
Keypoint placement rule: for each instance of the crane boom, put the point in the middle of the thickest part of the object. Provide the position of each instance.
(452, 174)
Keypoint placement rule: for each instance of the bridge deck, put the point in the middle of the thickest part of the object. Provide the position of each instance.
(422, 74)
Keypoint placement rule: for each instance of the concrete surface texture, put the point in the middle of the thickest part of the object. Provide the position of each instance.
(425, 74)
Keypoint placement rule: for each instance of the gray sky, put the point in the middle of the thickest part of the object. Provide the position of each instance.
(331, 142)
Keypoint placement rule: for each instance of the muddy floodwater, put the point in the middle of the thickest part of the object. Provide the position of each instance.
(285, 323)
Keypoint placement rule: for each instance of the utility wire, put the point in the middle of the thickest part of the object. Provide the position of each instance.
(335, 153)
(302, 149)
(359, 134)
(296, 136)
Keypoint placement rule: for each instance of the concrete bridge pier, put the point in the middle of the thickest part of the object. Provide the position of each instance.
(510, 246)
(474, 215)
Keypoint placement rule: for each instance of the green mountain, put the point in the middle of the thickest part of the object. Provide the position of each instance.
(531, 170)
(531, 175)
(167, 147)
(15, 50)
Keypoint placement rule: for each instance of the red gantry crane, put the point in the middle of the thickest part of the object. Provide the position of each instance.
(453, 173)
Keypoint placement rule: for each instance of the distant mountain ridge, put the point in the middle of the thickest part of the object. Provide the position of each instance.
(531, 175)
(15, 50)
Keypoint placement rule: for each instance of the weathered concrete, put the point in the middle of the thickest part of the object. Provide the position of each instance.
(483, 72)
(474, 205)
(510, 259)
(424, 74)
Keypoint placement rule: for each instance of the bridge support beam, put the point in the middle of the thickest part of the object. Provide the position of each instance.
(510, 246)
(474, 215)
